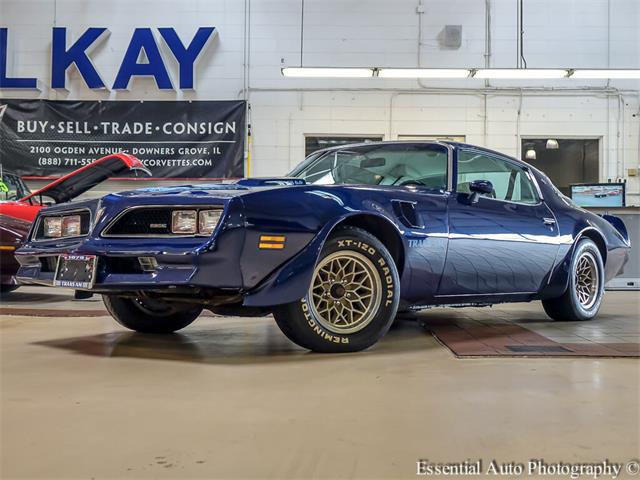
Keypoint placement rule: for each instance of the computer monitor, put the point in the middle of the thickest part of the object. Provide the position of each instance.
(598, 194)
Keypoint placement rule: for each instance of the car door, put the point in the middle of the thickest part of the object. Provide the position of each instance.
(500, 243)
(422, 177)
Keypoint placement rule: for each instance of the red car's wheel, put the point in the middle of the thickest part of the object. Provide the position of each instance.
(7, 288)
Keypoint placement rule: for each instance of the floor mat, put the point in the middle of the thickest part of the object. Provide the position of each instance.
(57, 312)
(474, 339)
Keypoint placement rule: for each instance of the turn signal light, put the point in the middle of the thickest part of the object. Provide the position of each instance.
(272, 242)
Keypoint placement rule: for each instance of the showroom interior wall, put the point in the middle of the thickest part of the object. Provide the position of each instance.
(256, 38)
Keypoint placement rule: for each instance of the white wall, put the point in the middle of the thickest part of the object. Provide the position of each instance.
(587, 33)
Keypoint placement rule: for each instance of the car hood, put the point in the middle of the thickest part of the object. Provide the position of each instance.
(79, 181)
(218, 190)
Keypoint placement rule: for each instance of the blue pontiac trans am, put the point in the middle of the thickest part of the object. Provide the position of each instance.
(335, 249)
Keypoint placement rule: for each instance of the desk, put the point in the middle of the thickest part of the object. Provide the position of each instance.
(630, 279)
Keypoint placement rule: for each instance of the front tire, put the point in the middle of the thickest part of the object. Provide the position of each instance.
(352, 300)
(583, 297)
(147, 315)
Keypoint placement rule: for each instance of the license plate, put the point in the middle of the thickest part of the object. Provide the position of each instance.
(76, 271)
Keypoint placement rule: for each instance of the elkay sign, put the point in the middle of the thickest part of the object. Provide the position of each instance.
(142, 44)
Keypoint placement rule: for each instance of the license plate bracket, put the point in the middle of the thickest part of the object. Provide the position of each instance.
(76, 271)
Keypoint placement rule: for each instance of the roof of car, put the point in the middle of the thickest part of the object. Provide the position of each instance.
(422, 142)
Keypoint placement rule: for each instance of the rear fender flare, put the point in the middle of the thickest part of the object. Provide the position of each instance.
(559, 281)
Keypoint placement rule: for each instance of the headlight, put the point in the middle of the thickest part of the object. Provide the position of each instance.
(52, 227)
(71, 226)
(207, 220)
(184, 221)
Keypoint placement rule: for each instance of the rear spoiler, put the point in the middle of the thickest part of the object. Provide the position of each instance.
(619, 225)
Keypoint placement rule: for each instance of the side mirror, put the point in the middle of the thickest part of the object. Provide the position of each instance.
(481, 186)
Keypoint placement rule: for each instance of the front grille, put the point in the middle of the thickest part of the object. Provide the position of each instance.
(142, 221)
(148, 221)
(85, 224)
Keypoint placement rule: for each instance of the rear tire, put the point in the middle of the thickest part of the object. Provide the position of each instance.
(583, 297)
(146, 315)
(352, 299)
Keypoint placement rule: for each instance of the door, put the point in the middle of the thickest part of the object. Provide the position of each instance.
(567, 161)
(501, 242)
(412, 182)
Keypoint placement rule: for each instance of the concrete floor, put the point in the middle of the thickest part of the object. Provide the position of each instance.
(233, 398)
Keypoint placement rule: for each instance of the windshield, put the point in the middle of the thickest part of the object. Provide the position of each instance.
(12, 187)
(380, 164)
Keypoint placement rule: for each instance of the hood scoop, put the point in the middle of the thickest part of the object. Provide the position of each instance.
(270, 181)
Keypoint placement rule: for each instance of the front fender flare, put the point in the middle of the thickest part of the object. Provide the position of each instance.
(291, 281)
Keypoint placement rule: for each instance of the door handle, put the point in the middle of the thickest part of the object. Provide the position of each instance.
(549, 221)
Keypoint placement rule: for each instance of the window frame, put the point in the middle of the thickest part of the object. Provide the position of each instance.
(509, 161)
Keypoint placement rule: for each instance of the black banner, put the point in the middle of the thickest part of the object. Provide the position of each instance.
(200, 139)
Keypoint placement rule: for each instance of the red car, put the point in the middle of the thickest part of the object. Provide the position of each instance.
(19, 207)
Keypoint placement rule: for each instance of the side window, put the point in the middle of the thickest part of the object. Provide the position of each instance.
(318, 168)
(510, 182)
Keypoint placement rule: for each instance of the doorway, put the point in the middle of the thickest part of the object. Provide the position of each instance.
(564, 160)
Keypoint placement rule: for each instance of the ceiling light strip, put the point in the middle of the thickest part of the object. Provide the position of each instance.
(424, 72)
(327, 72)
(613, 73)
(520, 73)
(447, 73)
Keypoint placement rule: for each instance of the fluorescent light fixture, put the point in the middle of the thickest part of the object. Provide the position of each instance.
(520, 73)
(607, 73)
(424, 72)
(490, 73)
(322, 72)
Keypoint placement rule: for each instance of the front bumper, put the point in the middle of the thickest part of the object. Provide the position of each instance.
(164, 276)
(228, 268)
(182, 263)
